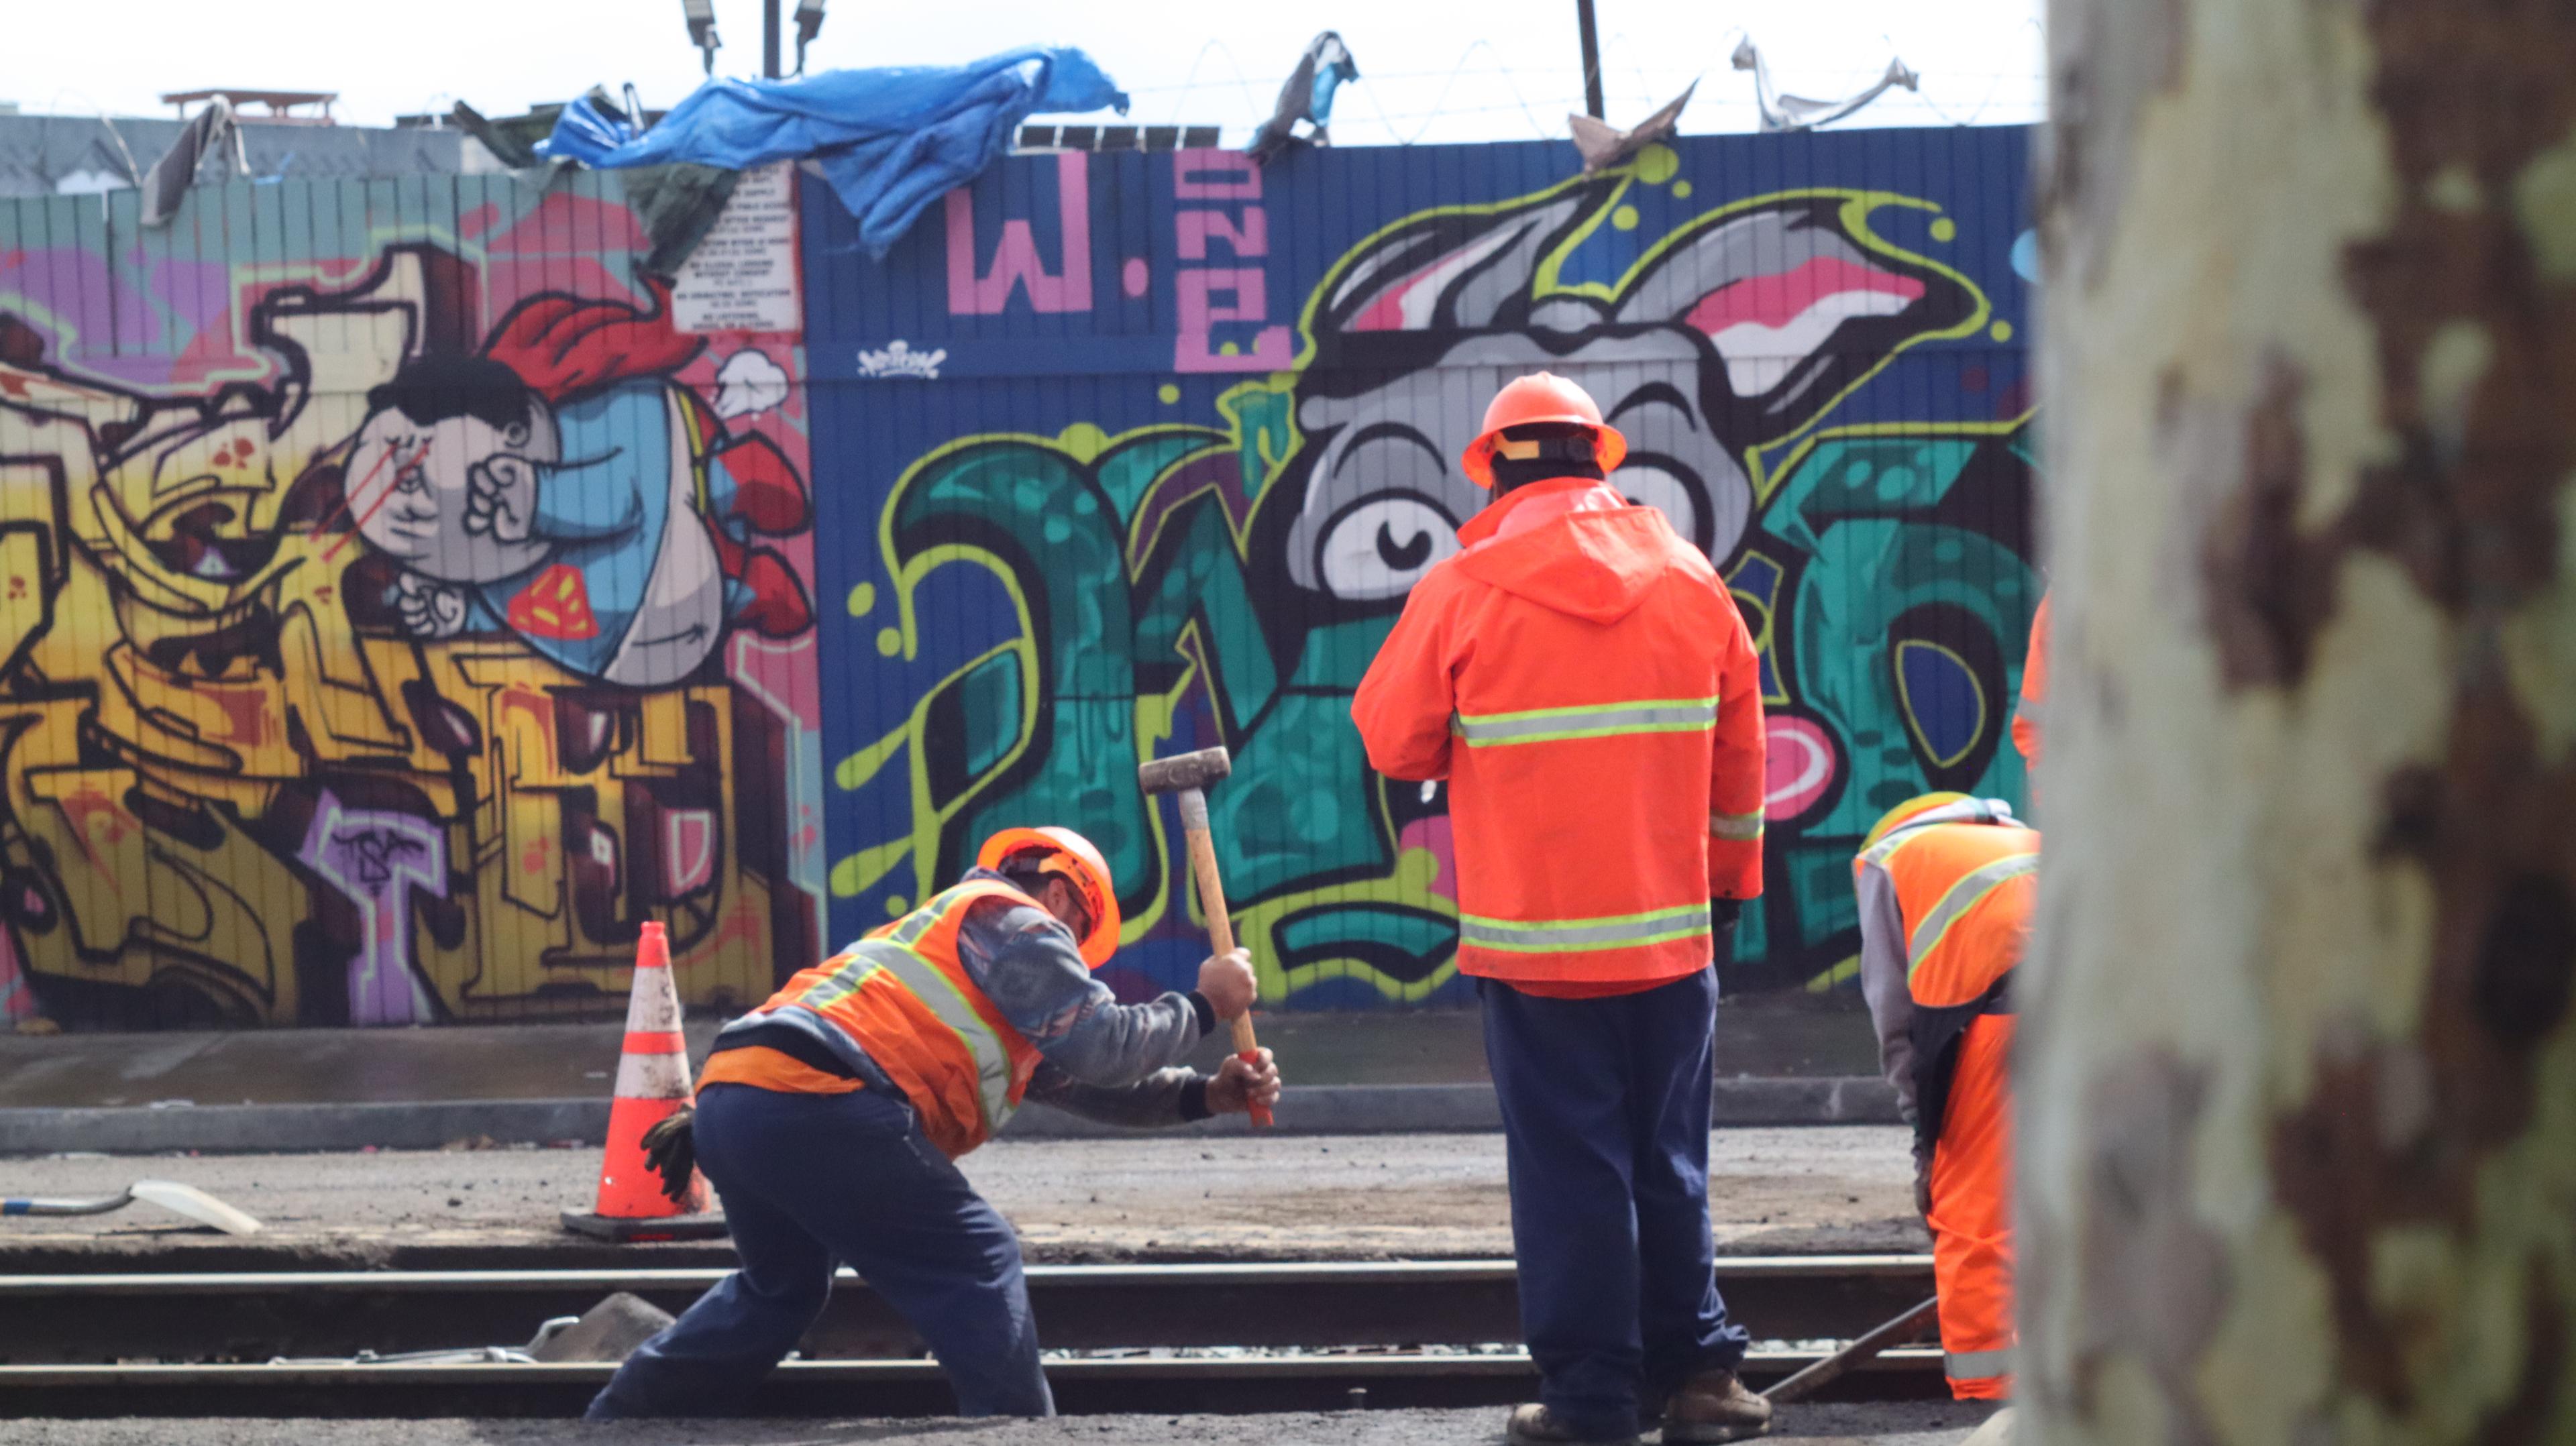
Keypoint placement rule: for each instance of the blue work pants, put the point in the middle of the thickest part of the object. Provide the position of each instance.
(811, 1180)
(1605, 1116)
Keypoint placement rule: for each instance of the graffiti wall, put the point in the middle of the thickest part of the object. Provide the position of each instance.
(1128, 455)
(398, 607)
(403, 598)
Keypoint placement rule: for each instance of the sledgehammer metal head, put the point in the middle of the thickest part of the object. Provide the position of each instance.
(1189, 776)
(1190, 770)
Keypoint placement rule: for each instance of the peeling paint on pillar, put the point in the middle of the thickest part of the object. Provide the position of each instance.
(2095, 105)
(2159, 1273)
(2299, 1106)
(2269, 582)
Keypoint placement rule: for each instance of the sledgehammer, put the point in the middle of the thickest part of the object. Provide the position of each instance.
(1859, 1353)
(1189, 775)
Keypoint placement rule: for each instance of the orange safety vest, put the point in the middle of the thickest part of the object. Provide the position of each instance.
(903, 995)
(1965, 893)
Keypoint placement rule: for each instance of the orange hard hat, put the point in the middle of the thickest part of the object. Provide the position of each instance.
(1541, 397)
(1072, 858)
(1987, 810)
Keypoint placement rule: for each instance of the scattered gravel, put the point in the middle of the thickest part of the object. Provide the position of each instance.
(1839, 1188)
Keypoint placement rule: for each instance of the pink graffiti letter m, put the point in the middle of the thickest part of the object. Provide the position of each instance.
(1015, 261)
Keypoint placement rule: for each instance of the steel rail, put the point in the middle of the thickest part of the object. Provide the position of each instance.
(854, 1388)
(254, 1316)
(1249, 1272)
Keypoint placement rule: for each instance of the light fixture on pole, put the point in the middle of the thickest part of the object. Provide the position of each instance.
(702, 29)
(809, 23)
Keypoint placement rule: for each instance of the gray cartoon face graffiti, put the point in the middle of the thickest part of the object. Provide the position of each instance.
(1387, 496)
(1735, 334)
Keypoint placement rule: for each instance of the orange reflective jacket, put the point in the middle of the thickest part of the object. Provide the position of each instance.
(1580, 676)
(2033, 713)
(904, 996)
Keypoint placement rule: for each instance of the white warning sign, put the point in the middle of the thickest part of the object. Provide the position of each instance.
(743, 275)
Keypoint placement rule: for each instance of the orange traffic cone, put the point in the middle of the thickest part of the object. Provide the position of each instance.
(652, 1082)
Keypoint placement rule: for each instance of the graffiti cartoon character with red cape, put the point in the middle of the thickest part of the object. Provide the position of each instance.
(559, 486)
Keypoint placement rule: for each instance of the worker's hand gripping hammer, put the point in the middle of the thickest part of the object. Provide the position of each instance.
(1189, 776)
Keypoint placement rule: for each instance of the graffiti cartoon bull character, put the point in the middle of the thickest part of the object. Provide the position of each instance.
(1268, 585)
(555, 486)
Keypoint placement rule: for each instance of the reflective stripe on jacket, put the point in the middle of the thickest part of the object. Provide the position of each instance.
(1582, 679)
(903, 994)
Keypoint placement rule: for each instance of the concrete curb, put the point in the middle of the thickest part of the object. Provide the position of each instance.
(1303, 1110)
(256, 1129)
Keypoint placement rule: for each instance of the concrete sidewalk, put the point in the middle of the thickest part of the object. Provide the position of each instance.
(1150, 1196)
(327, 1089)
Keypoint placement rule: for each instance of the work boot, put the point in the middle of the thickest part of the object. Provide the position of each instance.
(1714, 1406)
(1536, 1425)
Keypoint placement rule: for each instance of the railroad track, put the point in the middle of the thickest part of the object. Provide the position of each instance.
(1253, 1337)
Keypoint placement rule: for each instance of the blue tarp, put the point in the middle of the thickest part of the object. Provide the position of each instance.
(889, 141)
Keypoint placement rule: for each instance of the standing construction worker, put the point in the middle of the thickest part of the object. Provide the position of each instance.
(1580, 677)
(1946, 886)
(829, 1117)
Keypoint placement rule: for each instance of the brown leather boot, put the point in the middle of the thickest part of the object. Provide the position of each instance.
(1714, 1406)
(1535, 1425)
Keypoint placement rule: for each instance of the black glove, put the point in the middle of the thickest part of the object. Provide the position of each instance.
(1724, 912)
(671, 1151)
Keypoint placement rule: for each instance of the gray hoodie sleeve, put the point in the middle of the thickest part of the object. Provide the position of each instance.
(1027, 963)
(1882, 982)
(1165, 1097)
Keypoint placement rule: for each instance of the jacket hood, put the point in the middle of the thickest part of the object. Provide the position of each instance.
(1577, 547)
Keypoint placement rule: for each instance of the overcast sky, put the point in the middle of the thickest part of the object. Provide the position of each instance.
(1510, 74)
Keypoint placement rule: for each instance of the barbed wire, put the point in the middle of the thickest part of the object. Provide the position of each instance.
(1642, 81)
(1806, 74)
(1251, 100)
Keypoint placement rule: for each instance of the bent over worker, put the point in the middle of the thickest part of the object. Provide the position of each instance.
(1580, 677)
(1946, 886)
(829, 1119)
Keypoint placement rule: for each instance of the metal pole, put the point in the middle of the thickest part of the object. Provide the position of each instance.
(1591, 59)
(769, 39)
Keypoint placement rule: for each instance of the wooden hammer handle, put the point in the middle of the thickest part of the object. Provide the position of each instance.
(1220, 928)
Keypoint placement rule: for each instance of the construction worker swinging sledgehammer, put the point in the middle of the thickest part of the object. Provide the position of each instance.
(1583, 681)
(829, 1119)
(1946, 887)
